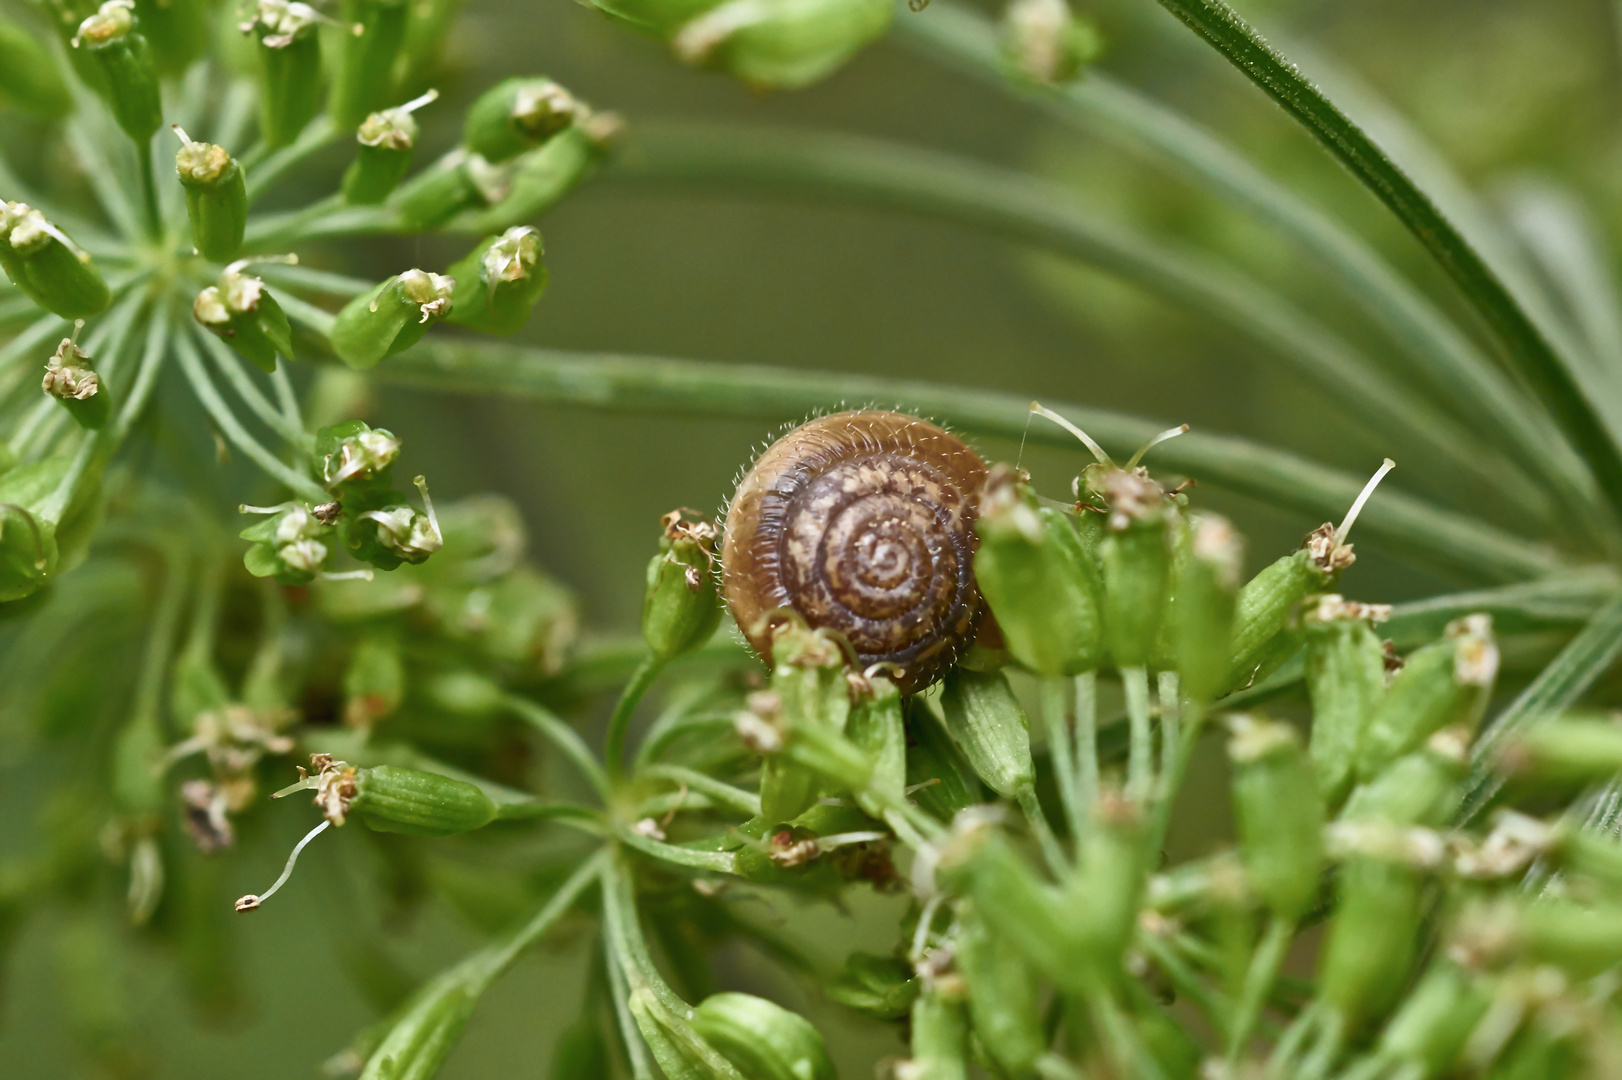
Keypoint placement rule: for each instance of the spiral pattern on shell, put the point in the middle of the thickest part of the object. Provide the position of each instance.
(863, 523)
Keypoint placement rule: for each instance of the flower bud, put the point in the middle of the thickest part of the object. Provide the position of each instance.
(1108, 884)
(125, 58)
(378, 529)
(385, 140)
(29, 74)
(782, 46)
(374, 680)
(390, 318)
(391, 799)
(1372, 937)
(1279, 815)
(1419, 789)
(544, 175)
(1564, 750)
(54, 271)
(178, 31)
(876, 728)
(216, 197)
(878, 987)
(1037, 579)
(240, 311)
(940, 1037)
(364, 78)
(293, 545)
(1003, 1004)
(437, 193)
(1432, 1025)
(69, 378)
(1345, 671)
(354, 457)
(1135, 557)
(991, 729)
(1440, 684)
(1206, 585)
(764, 1040)
(1044, 42)
(680, 607)
(498, 282)
(28, 551)
(289, 65)
(517, 115)
(1262, 637)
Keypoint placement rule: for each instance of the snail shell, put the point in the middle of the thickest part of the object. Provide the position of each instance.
(863, 523)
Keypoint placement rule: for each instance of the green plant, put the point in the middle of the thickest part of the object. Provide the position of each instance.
(1454, 839)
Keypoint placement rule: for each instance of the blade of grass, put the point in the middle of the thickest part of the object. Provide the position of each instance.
(1440, 354)
(629, 383)
(1053, 217)
(1530, 353)
(1558, 687)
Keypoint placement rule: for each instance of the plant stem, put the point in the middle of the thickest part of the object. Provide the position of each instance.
(617, 382)
(287, 400)
(745, 802)
(230, 365)
(149, 191)
(1178, 748)
(720, 862)
(1140, 778)
(1534, 359)
(619, 723)
(1264, 965)
(1056, 692)
(1169, 705)
(1087, 742)
(563, 737)
(1052, 854)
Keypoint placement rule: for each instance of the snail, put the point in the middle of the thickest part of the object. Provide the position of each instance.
(862, 523)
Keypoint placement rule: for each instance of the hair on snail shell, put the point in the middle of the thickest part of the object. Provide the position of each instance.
(861, 522)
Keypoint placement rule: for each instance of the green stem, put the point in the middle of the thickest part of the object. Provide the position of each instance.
(670, 726)
(1214, 1006)
(619, 723)
(1170, 706)
(1050, 216)
(745, 802)
(229, 364)
(1140, 761)
(563, 737)
(1087, 742)
(287, 399)
(617, 382)
(1178, 749)
(149, 191)
(720, 862)
(1533, 358)
(635, 1049)
(1264, 965)
(191, 363)
(1052, 854)
(1056, 692)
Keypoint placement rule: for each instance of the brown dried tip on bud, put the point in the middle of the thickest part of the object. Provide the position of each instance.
(1475, 661)
(249, 903)
(1393, 662)
(1332, 607)
(677, 527)
(252, 901)
(1328, 547)
(328, 512)
(68, 374)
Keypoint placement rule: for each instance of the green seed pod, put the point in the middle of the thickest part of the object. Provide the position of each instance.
(1262, 639)
(940, 1038)
(177, 31)
(54, 271)
(383, 157)
(1591, 854)
(29, 75)
(1206, 584)
(1003, 1005)
(1108, 885)
(240, 311)
(1279, 815)
(987, 723)
(518, 115)
(391, 799)
(1441, 684)
(878, 987)
(69, 378)
(216, 197)
(126, 60)
(1583, 940)
(943, 782)
(498, 282)
(1043, 41)
(544, 175)
(876, 728)
(764, 1040)
(289, 53)
(437, 193)
(1564, 750)
(354, 457)
(293, 544)
(374, 680)
(1136, 560)
(1372, 938)
(1345, 666)
(1430, 1029)
(1037, 578)
(1421, 788)
(28, 551)
(390, 318)
(364, 78)
(680, 607)
(781, 45)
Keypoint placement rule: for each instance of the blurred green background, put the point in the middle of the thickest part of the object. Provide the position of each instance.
(1505, 89)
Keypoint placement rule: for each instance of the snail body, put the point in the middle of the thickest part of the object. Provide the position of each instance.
(862, 523)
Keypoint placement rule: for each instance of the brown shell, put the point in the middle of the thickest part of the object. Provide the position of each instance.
(863, 522)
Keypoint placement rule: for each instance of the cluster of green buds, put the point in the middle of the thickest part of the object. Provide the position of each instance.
(56, 273)
(122, 54)
(70, 378)
(240, 311)
(355, 463)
